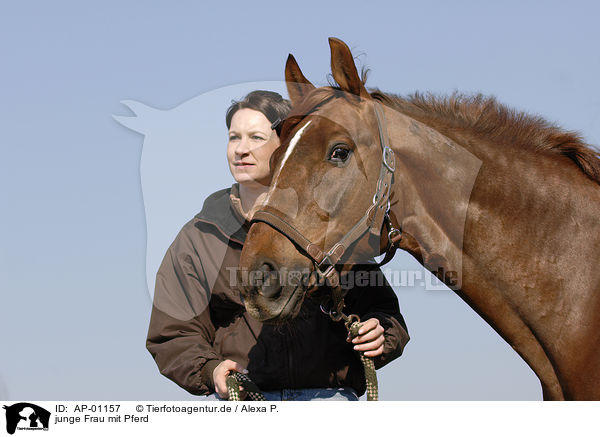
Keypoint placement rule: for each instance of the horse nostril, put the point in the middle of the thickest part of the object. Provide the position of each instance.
(270, 285)
(267, 267)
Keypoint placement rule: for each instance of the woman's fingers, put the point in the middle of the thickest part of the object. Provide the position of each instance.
(371, 339)
(369, 336)
(239, 368)
(372, 323)
(370, 345)
(220, 374)
(369, 331)
(374, 353)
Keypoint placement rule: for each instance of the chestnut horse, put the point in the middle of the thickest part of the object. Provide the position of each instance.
(504, 207)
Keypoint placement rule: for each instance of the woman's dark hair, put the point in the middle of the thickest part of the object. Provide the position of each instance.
(270, 103)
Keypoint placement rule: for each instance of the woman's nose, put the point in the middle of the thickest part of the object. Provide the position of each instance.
(243, 147)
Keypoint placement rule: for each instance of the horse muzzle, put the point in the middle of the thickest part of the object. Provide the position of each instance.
(272, 292)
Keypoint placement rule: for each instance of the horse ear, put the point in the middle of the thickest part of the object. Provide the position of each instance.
(344, 70)
(297, 85)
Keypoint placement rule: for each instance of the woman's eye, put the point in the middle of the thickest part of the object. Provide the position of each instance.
(233, 137)
(339, 154)
(257, 138)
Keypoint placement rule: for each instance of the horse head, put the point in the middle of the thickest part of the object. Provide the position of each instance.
(325, 175)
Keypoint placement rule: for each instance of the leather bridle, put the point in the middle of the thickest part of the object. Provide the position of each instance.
(372, 221)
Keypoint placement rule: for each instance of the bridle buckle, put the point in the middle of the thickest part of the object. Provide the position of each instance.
(389, 159)
(325, 265)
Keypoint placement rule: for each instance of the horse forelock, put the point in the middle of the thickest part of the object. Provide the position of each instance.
(312, 102)
(484, 118)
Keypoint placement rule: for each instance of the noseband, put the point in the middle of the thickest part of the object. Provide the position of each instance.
(371, 221)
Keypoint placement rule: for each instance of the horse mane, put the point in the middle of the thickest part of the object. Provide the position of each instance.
(483, 117)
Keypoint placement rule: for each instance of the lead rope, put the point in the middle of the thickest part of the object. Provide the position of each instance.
(235, 380)
(368, 365)
(353, 324)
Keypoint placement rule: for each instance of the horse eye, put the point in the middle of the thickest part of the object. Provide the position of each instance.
(339, 154)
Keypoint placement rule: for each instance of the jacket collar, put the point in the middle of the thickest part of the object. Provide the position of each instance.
(219, 212)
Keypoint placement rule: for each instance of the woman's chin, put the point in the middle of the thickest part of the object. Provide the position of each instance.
(244, 177)
(249, 181)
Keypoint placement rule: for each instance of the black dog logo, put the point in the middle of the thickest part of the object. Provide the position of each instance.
(26, 415)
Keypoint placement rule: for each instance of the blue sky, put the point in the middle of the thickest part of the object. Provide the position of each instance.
(75, 304)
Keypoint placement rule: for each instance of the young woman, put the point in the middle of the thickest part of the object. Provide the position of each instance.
(199, 329)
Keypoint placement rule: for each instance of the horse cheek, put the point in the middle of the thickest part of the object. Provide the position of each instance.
(329, 192)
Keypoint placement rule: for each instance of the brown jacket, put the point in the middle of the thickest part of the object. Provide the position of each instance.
(198, 319)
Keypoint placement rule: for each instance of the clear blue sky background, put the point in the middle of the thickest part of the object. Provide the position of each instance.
(74, 304)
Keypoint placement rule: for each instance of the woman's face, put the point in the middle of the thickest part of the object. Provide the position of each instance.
(251, 143)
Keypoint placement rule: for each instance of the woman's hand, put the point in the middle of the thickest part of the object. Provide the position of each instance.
(220, 374)
(370, 339)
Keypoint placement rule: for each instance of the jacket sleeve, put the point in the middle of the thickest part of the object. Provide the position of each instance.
(181, 333)
(371, 296)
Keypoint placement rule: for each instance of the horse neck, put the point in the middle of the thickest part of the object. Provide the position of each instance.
(519, 227)
(434, 178)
